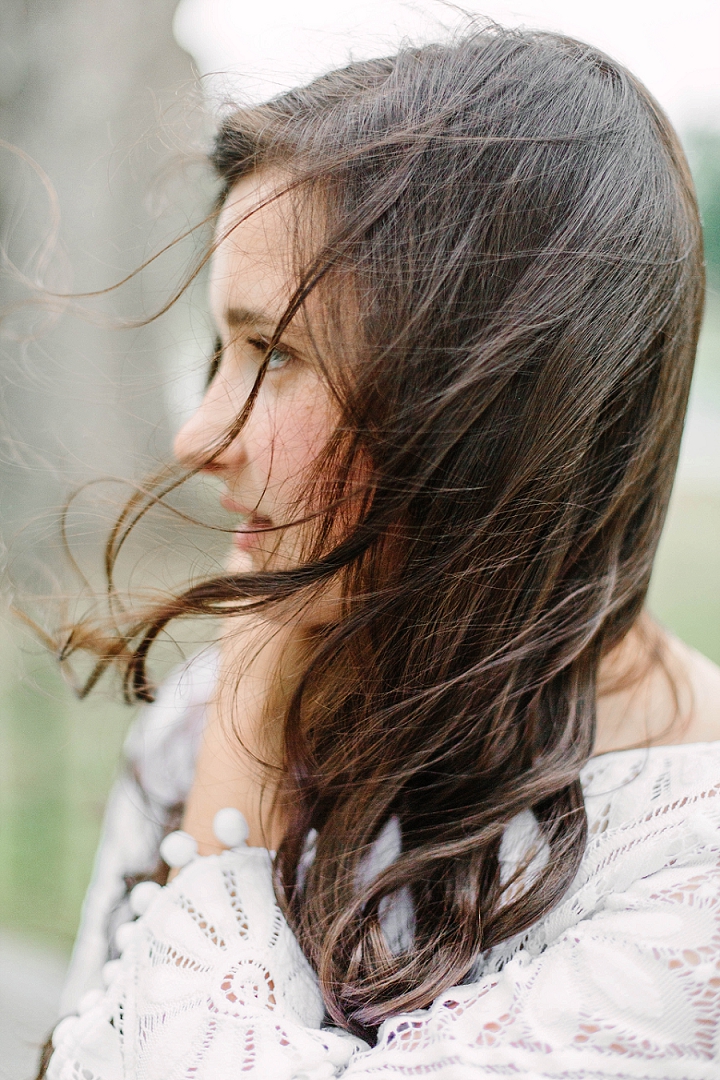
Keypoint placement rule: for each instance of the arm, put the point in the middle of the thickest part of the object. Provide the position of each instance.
(212, 976)
(211, 983)
(128, 845)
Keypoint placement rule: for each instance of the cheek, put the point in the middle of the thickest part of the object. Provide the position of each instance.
(290, 435)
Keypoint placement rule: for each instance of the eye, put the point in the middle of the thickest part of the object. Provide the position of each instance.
(278, 357)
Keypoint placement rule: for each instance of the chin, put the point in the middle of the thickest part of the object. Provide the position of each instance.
(240, 562)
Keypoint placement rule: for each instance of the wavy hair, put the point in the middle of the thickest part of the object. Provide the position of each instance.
(513, 219)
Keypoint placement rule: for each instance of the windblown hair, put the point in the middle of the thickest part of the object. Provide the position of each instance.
(511, 269)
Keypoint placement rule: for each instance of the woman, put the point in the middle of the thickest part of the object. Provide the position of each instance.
(457, 294)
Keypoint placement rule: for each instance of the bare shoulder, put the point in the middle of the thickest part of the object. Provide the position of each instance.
(698, 686)
(675, 700)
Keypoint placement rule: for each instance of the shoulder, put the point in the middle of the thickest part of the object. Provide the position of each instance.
(653, 816)
(699, 686)
(653, 848)
(626, 789)
(653, 844)
(656, 691)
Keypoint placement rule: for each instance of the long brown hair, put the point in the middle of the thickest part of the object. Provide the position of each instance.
(514, 218)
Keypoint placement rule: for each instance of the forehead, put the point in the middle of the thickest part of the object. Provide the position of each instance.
(251, 267)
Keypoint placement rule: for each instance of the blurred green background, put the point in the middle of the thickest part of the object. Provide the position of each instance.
(58, 756)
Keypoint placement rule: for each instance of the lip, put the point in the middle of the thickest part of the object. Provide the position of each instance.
(250, 531)
(235, 507)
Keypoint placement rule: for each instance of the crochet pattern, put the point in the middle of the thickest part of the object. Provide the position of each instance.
(621, 979)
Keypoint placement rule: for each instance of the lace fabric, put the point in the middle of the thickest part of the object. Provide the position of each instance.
(211, 984)
(160, 750)
(620, 980)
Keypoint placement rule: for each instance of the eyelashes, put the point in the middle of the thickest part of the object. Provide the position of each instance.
(214, 362)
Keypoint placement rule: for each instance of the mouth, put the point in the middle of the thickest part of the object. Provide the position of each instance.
(250, 529)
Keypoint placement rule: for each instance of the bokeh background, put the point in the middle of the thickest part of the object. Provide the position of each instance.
(104, 110)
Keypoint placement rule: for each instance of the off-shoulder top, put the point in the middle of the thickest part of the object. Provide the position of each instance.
(621, 979)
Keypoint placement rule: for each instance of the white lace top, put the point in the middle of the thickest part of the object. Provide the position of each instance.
(621, 979)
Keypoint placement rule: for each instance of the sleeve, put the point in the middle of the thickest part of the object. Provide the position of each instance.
(213, 984)
(633, 991)
(128, 845)
(159, 762)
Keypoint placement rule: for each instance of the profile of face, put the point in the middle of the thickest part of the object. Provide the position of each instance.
(265, 466)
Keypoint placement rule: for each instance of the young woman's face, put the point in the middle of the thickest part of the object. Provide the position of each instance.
(264, 467)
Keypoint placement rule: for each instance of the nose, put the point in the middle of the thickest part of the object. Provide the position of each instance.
(197, 442)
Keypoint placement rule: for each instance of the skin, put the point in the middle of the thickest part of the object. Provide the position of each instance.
(262, 472)
(263, 468)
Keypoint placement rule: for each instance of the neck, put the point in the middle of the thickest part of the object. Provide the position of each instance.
(242, 749)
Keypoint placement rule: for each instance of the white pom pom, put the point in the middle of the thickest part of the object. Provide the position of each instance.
(142, 895)
(123, 935)
(230, 827)
(110, 970)
(178, 849)
(89, 1000)
(63, 1031)
(339, 1051)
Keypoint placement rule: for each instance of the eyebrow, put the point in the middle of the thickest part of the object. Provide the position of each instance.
(242, 318)
(239, 317)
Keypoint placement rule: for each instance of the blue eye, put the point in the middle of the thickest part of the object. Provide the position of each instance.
(277, 359)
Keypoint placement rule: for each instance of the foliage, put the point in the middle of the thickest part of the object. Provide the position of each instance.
(703, 148)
